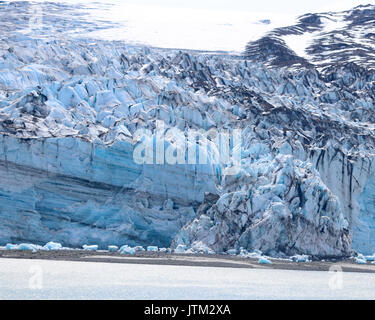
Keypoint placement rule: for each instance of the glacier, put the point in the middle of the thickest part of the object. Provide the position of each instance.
(70, 109)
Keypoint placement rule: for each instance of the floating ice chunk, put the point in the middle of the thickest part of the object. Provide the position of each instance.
(52, 246)
(90, 248)
(139, 249)
(263, 260)
(10, 246)
(163, 250)
(127, 250)
(254, 254)
(360, 261)
(300, 258)
(370, 258)
(232, 252)
(243, 252)
(28, 247)
(112, 248)
(181, 248)
(200, 247)
(152, 248)
(361, 256)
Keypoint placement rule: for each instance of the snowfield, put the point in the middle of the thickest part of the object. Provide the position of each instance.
(41, 279)
(172, 26)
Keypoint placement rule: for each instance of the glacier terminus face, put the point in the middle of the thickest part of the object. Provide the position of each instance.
(288, 145)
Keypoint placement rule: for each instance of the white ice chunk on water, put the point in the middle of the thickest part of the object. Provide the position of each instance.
(360, 261)
(264, 261)
(90, 247)
(254, 255)
(243, 252)
(127, 250)
(139, 249)
(29, 247)
(181, 248)
(112, 248)
(200, 247)
(370, 258)
(300, 258)
(232, 252)
(152, 248)
(10, 246)
(52, 246)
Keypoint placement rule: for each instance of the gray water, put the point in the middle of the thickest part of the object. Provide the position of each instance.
(43, 279)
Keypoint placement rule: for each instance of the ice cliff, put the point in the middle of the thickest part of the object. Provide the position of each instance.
(70, 109)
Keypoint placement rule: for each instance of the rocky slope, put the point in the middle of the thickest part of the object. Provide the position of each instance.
(71, 109)
(321, 41)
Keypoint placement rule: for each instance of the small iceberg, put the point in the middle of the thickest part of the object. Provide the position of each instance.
(360, 261)
(10, 246)
(264, 261)
(370, 258)
(29, 247)
(153, 248)
(52, 246)
(127, 250)
(90, 248)
(232, 252)
(300, 258)
(181, 248)
(112, 248)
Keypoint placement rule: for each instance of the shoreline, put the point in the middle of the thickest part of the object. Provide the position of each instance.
(199, 260)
